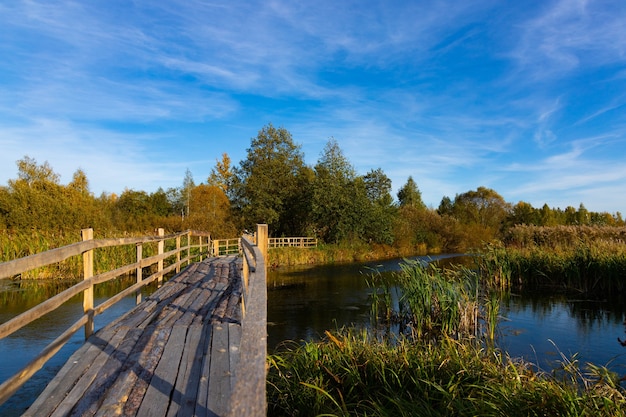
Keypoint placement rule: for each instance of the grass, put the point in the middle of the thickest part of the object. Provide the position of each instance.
(350, 373)
(583, 265)
(340, 253)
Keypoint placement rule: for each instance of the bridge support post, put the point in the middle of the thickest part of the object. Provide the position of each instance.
(87, 234)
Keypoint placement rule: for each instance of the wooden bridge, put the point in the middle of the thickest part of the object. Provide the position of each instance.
(195, 347)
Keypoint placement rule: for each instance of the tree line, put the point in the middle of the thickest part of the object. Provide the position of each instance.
(274, 185)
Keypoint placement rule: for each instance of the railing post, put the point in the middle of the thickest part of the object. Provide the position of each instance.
(161, 251)
(87, 234)
(139, 270)
(178, 253)
(262, 240)
(200, 247)
(188, 247)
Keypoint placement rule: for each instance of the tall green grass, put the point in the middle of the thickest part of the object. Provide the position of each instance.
(427, 301)
(353, 373)
(595, 267)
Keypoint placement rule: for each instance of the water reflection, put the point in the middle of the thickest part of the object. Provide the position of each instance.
(304, 302)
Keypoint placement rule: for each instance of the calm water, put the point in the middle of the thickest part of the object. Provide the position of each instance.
(305, 301)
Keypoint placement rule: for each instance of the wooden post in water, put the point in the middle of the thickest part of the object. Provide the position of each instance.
(161, 250)
(87, 234)
(139, 270)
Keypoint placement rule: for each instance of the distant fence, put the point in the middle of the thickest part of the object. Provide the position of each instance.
(224, 247)
(295, 242)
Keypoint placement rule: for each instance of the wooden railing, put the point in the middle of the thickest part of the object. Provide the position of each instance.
(86, 249)
(249, 379)
(297, 242)
(221, 247)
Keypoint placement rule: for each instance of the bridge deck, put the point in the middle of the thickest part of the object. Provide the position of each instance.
(171, 355)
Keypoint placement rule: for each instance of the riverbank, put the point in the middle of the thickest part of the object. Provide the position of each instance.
(343, 253)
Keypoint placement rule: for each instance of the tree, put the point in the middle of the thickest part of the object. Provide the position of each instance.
(265, 183)
(221, 175)
(340, 200)
(445, 207)
(525, 213)
(381, 211)
(210, 211)
(409, 195)
(484, 207)
(185, 192)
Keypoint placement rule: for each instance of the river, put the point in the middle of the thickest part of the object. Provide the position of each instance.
(303, 302)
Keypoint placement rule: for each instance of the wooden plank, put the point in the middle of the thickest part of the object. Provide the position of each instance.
(192, 400)
(114, 398)
(234, 347)
(145, 368)
(193, 342)
(219, 373)
(89, 374)
(91, 390)
(154, 403)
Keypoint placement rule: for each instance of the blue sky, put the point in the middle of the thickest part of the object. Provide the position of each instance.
(527, 98)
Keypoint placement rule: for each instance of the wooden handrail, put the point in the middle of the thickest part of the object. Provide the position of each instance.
(86, 248)
(249, 396)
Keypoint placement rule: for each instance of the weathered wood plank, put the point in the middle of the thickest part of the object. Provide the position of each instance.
(193, 398)
(234, 346)
(219, 372)
(154, 403)
(90, 374)
(193, 344)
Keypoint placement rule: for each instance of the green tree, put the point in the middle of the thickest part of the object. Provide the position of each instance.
(340, 204)
(525, 213)
(410, 195)
(445, 207)
(380, 221)
(267, 180)
(484, 207)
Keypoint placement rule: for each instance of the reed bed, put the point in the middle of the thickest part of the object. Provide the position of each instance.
(585, 266)
(353, 373)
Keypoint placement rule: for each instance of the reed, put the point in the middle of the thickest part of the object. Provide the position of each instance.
(425, 300)
(354, 373)
(585, 266)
